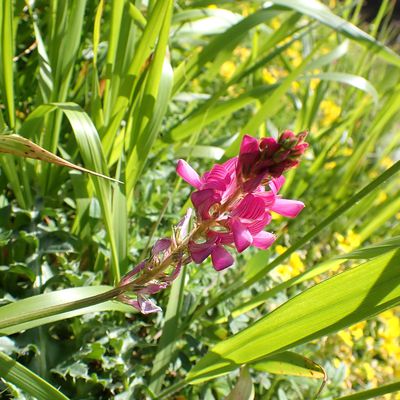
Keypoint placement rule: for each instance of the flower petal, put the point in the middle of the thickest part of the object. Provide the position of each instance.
(200, 251)
(259, 224)
(241, 235)
(277, 183)
(160, 246)
(146, 306)
(221, 258)
(187, 173)
(203, 200)
(248, 155)
(251, 208)
(263, 240)
(287, 208)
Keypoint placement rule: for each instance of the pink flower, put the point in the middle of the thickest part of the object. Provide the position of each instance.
(232, 202)
(267, 157)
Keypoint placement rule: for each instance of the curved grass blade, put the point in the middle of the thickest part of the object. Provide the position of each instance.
(323, 14)
(373, 393)
(20, 376)
(22, 147)
(290, 363)
(244, 389)
(353, 80)
(50, 307)
(345, 299)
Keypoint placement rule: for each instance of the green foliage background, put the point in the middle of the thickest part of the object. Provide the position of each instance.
(125, 88)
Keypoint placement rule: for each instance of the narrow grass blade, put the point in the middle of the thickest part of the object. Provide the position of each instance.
(49, 307)
(334, 304)
(167, 343)
(32, 384)
(289, 363)
(323, 14)
(353, 80)
(22, 147)
(374, 393)
(244, 388)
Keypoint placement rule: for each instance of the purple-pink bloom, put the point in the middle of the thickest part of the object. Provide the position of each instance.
(231, 199)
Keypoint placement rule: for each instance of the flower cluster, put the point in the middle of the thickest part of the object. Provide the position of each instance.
(233, 203)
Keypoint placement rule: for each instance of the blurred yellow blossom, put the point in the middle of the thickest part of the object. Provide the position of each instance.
(294, 267)
(295, 86)
(347, 151)
(330, 165)
(330, 112)
(267, 76)
(212, 6)
(346, 337)
(227, 69)
(382, 196)
(242, 52)
(387, 162)
(275, 23)
(369, 372)
(357, 330)
(280, 249)
(350, 242)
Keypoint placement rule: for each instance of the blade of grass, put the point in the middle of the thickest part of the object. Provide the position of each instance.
(20, 376)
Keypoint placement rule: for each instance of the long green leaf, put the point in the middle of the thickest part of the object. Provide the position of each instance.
(373, 393)
(50, 307)
(323, 14)
(289, 363)
(20, 376)
(22, 147)
(334, 304)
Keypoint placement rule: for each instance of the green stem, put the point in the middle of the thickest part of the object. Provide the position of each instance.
(172, 389)
(62, 308)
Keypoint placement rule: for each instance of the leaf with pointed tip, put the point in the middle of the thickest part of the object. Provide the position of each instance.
(22, 147)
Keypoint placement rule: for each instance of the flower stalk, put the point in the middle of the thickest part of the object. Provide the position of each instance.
(233, 204)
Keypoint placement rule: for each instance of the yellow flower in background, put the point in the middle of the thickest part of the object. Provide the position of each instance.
(280, 249)
(387, 162)
(382, 197)
(330, 165)
(357, 330)
(242, 52)
(212, 6)
(330, 112)
(227, 69)
(295, 86)
(348, 243)
(369, 372)
(294, 267)
(346, 337)
(275, 23)
(267, 76)
(295, 55)
(296, 264)
(347, 151)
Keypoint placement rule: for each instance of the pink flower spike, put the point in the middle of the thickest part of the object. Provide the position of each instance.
(287, 208)
(263, 240)
(221, 258)
(187, 173)
(241, 235)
